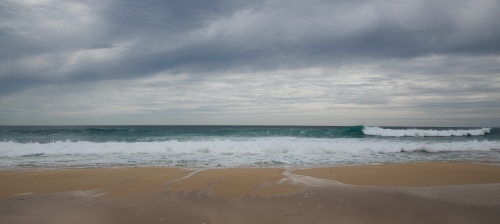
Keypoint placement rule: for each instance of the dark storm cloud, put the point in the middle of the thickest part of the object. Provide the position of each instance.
(229, 36)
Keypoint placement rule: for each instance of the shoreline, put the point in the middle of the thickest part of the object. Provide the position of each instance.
(244, 167)
(253, 195)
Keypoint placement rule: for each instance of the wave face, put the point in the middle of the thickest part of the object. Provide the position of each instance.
(165, 133)
(240, 146)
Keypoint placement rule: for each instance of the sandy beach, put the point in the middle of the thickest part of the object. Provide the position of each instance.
(388, 193)
(409, 174)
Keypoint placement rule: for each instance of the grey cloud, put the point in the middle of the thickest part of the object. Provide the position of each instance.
(372, 56)
(100, 46)
(221, 36)
(461, 105)
(175, 16)
(281, 97)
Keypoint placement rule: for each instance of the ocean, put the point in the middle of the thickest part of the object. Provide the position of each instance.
(53, 147)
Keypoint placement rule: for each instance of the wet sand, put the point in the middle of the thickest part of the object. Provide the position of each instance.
(409, 174)
(116, 182)
(452, 193)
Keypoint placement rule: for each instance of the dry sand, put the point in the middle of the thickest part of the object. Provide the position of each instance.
(255, 195)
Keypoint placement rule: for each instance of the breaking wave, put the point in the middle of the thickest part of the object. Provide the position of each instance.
(385, 132)
(286, 151)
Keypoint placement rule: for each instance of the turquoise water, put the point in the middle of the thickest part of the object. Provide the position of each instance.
(41, 147)
(47, 134)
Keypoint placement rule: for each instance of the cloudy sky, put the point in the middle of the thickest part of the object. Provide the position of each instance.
(250, 62)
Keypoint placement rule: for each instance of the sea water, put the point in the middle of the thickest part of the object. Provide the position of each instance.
(47, 147)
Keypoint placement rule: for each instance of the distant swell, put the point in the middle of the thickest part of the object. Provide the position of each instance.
(377, 131)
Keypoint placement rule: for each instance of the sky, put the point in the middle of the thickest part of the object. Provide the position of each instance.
(242, 62)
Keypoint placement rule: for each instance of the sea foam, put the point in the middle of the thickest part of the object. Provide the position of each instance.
(286, 151)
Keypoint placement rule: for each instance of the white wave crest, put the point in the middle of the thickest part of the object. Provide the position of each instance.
(377, 131)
